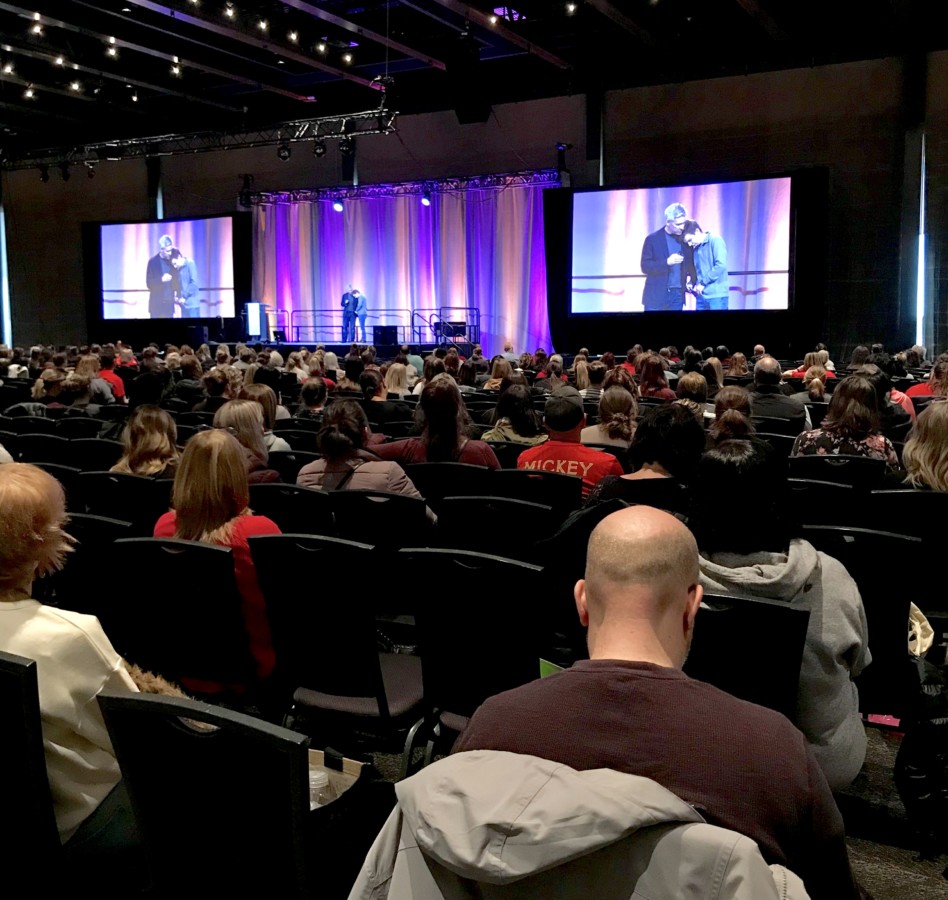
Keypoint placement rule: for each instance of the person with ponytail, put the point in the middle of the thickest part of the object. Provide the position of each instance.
(617, 419)
(346, 464)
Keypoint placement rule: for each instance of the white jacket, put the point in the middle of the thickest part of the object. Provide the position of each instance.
(524, 827)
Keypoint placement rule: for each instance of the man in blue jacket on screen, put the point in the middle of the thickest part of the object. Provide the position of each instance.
(711, 284)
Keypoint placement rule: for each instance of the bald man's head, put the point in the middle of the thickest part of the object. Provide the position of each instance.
(640, 593)
(767, 371)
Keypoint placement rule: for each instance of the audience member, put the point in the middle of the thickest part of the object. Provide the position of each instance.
(149, 444)
(564, 453)
(652, 381)
(244, 419)
(516, 421)
(926, 451)
(264, 395)
(765, 562)
(693, 394)
(768, 400)
(937, 384)
(313, 396)
(597, 374)
(637, 712)
(617, 420)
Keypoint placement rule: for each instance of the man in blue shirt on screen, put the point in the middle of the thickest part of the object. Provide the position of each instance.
(710, 252)
(189, 294)
(664, 262)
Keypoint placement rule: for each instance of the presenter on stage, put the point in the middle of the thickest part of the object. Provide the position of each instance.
(189, 294)
(161, 277)
(710, 252)
(348, 315)
(664, 263)
(360, 314)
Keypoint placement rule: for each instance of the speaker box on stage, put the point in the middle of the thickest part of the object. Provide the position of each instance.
(385, 334)
(453, 329)
(197, 334)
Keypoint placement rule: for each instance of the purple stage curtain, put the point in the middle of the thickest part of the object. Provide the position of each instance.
(478, 249)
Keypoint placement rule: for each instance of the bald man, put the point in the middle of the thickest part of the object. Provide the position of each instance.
(768, 397)
(629, 707)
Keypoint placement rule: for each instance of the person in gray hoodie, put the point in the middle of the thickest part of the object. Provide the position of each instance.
(763, 561)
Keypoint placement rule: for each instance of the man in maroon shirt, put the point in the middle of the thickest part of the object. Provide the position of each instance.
(629, 707)
(564, 453)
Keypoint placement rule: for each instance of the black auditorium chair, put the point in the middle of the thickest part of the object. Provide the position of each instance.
(437, 480)
(327, 655)
(78, 427)
(297, 424)
(751, 648)
(196, 418)
(391, 520)
(563, 492)
(620, 453)
(94, 454)
(32, 425)
(487, 525)
(201, 640)
(131, 498)
(35, 448)
(210, 787)
(861, 472)
(296, 509)
(874, 559)
(919, 513)
(507, 452)
(469, 652)
(782, 444)
(28, 834)
(814, 502)
(289, 462)
(68, 477)
(776, 425)
(301, 439)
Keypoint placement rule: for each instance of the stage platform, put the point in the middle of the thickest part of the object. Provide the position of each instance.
(383, 351)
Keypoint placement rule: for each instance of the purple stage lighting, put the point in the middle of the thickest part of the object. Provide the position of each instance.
(337, 205)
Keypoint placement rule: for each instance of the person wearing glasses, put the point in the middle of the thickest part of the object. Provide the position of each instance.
(666, 262)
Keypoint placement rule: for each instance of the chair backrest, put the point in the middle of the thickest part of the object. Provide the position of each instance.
(94, 454)
(818, 409)
(814, 502)
(141, 501)
(360, 514)
(468, 651)
(289, 462)
(67, 476)
(776, 425)
(297, 425)
(28, 832)
(296, 509)
(437, 480)
(301, 439)
(32, 425)
(859, 471)
(886, 588)
(507, 452)
(494, 525)
(200, 636)
(915, 512)
(196, 418)
(563, 492)
(78, 427)
(620, 453)
(324, 640)
(34, 448)
(222, 807)
(750, 647)
(782, 444)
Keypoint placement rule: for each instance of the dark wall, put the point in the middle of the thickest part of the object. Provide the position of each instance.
(845, 119)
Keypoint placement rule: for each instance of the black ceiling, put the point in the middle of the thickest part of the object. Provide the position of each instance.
(92, 70)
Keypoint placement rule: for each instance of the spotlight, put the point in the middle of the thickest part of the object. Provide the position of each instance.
(60, 61)
(29, 93)
(320, 47)
(570, 8)
(426, 197)
(293, 37)
(176, 70)
(337, 205)
(64, 171)
(44, 174)
(245, 197)
(111, 52)
(75, 86)
(8, 68)
(346, 147)
(229, 11)
(347, 58)
(263, 24)
(284, 151)
(319, 149)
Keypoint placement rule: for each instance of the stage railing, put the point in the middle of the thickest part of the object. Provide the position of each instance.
(325, 326)
(459, 325)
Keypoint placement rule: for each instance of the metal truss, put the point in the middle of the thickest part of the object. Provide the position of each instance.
(551, 177)
(324, 128)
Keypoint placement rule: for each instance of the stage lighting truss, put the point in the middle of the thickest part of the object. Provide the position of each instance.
(326, 128)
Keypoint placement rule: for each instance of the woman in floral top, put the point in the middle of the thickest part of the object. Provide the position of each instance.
(851, 426)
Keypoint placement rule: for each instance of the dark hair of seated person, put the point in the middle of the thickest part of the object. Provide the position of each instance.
(354, 369)
(733, 477)
(215, 383)
(692, 361)
(853, 410)
(370, 382)
(516, 405)
(732, 410)
(343, 431)
(467, 374)
(860, 357)
(446, 420)
(313, 393)
(670, 436)
(597, 373)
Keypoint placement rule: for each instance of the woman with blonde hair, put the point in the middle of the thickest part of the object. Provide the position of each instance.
(149, 444)
(500, 370)
(294, 366)
(738, 366)
(244, 419)
(267, 398)
(75, 662)
(815, 381)
(617, 412)
(89, 366)
(581, 374)
(396, 380)
(925, 456)
(210, 503)
(47, 386)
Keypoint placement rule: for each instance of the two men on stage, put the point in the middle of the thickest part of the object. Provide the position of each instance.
(353, 307)
(172, 283)
(681, 260)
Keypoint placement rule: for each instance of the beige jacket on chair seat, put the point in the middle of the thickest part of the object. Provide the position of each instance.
(523, 827)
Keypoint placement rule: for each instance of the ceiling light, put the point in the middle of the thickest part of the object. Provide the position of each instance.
(37, 28)
(36, 17)
(176, 70)
(319, 149)
(284, 151)
(347, 58)
(29, 93)
(75, 86)
(346, 147)
(293, 37)
(263, 24)
(135, 97)
(111, 52)
(570, 8)
(8, 69)
(493, 20)
(229, 11)
(60, 61)
(111, 40)
(426, 197)
(320, 48)
(337, 205)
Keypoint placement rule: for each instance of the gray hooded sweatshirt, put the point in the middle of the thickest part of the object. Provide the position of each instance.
(836, 643)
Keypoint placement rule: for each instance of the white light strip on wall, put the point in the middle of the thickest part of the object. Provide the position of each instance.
(160, 203)
(920, 268)
(6, 322)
